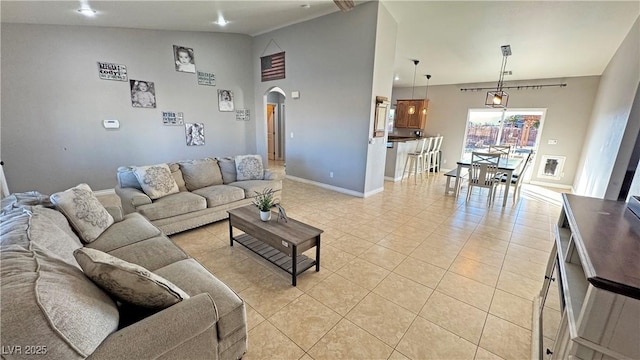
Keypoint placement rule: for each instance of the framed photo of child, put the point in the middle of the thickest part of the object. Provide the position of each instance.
(143, 94)
(225, 100)
(184, 59)
(194, 133)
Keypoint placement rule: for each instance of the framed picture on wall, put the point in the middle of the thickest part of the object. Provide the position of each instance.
(225, 100)
(184, 59)
(194, 133)
(143, 94)
(551, 167)
(380, 122)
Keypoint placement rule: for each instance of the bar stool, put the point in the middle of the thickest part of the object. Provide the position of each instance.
(414, 160)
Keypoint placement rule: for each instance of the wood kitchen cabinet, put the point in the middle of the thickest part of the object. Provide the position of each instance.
(417, 120)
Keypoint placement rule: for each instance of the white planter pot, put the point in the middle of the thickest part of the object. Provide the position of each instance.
(265, 215)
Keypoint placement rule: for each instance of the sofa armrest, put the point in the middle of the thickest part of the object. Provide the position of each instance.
(112, 203)
(179, 331)
(132, 198)
(274, 174)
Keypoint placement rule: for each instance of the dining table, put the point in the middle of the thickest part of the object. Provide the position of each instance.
(506, 165)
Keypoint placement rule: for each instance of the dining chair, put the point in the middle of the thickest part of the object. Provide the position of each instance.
(427, 154)
(435, 154)
(415, 160)
(505, 150)
(516, 178)
(483, 173)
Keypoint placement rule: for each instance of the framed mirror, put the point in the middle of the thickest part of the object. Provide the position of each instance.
(382, 111)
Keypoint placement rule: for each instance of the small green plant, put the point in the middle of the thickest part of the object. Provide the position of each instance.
(264, 200)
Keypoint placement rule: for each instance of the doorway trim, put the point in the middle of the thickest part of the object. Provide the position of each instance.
(279, 129)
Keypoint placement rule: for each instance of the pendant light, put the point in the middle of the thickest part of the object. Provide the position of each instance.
(426, 93)
(412, 108)
(499, 98)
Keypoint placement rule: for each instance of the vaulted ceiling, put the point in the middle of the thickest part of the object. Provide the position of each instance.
(457, 42)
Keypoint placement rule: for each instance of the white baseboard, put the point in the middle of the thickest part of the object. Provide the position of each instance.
(389, 178)
(334, 188)
(373, 192)
(553, 185)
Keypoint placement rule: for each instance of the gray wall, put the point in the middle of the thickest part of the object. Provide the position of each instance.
(53, 102)
(605, 159)
(382, 86)
(329, 60)
(567, 117)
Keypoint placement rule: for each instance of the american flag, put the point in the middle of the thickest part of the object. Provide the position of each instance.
(272, 67)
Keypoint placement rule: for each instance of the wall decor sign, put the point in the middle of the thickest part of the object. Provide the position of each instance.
(194, 133)
(272, 67)
(243, 115)
(225, 100)
(109, 71)
(172, 118)
(184, 59)
(205, 78)
(143, 94)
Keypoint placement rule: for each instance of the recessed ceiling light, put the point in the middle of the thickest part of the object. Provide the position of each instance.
(221, 21)
(396, 78)
(87, 12)
(305, 6)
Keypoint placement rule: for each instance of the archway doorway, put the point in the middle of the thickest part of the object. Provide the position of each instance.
(275, 126)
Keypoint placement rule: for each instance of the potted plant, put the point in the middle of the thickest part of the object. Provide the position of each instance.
(264, 201)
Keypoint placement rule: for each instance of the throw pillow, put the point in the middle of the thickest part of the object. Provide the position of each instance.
(249, 167)
(200, 173)
(127, 177)
(177, 176)
(84, 211)
(128, 282)
(228, 169)
(156, 180)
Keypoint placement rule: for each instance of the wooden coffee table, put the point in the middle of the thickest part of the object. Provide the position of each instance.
(281, 243)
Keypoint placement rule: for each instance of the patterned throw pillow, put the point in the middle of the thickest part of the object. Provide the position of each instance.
(84, 211)
(249, 167)
(156, 180)
(128, 282)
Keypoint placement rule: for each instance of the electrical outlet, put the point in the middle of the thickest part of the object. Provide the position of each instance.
(552, 142)
(330, 174)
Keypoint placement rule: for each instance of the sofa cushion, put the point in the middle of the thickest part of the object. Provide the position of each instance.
(200, 173)
(83, 210)
(177, 176)
(250, 187)
(172, 205)
(151, 253)
(47, 302)
(127, 177)
(220, 194)
(128, 282)
(228, 168)
(249, 167)
(156, 180)
(194, 279)
(133, 228)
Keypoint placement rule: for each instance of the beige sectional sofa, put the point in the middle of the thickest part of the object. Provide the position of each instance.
(51, 308)
(206, 189)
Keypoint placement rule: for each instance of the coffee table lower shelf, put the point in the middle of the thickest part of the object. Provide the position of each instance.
(275, 256)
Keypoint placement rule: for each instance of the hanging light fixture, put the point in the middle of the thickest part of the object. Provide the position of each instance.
(499, 98)
(412, 108)
(426, 93)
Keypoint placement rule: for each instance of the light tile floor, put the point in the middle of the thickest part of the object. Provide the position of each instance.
(409, 273)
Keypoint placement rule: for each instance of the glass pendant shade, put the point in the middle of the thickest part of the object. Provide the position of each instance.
(412, 110)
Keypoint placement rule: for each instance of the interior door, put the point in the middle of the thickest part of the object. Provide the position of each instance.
(271, 131)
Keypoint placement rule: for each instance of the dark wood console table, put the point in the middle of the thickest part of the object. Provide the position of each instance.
(589, 305)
